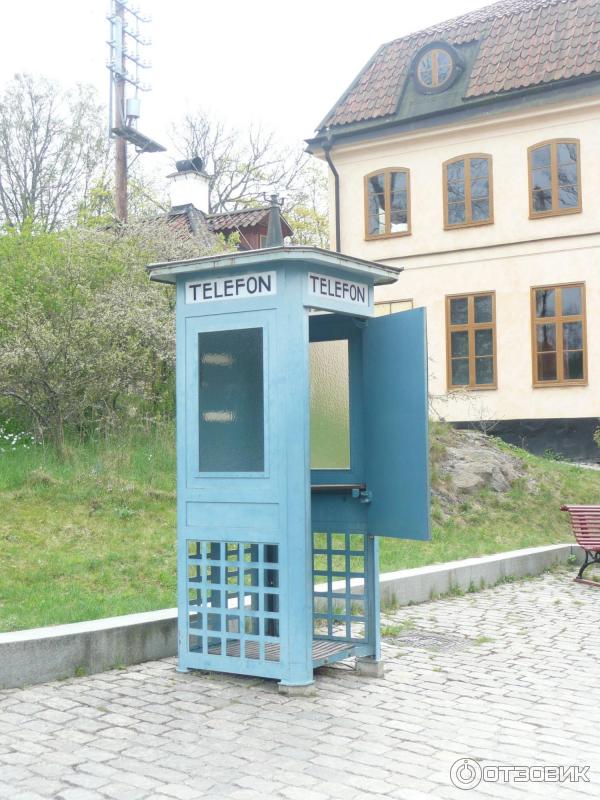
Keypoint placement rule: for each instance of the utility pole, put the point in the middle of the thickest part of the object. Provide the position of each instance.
(125, 42)
(119, 122)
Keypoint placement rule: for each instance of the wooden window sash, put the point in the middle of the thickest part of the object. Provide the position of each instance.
(435, 78)
(435, 71)
(558, 320)
(468, 223)
(470, 327)
(554, 183)
(387, 196)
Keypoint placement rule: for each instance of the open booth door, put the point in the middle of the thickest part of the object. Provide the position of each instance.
(396, 425)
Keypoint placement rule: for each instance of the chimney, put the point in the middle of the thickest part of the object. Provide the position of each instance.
(274, 230)
(189, 185)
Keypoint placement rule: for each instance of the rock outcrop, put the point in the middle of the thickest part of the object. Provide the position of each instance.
(467, 462)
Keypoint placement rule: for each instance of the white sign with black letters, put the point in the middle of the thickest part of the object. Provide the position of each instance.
(325, 286)
(239, 287)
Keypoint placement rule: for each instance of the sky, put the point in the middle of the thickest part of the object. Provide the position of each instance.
(276, 63)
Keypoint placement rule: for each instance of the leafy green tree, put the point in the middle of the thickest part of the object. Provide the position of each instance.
(145, 199)
(307, 209)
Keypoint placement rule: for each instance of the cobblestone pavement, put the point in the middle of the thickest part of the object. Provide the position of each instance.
(506, 676)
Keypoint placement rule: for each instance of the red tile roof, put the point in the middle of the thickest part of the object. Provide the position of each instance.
(247, 218)
(524, 43)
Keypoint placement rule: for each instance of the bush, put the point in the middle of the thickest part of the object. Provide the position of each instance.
(85, 338)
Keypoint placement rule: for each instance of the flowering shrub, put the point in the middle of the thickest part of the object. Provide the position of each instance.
(84, 335)
(13, 440)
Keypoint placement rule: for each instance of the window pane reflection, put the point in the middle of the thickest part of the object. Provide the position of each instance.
(571, 300)
(545, 303)
(459, 311)
(484, 371)
(460, 371)
(547, 367)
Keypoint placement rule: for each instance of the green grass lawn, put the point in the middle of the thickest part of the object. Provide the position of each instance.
(94, 535)
(90, 537)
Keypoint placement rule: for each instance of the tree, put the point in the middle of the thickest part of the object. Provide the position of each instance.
(242, 166)
(85, 338)
(52, 144)
(246, 165)
(144, 200)
(307, 214)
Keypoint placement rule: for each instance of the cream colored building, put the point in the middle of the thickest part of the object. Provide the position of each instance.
(469, 154)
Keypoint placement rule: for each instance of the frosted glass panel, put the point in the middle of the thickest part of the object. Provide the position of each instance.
(329, 405)
(231, 402)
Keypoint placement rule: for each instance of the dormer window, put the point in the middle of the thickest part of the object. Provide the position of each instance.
(435, 68)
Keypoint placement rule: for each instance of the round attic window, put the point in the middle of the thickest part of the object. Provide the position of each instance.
(436, 68)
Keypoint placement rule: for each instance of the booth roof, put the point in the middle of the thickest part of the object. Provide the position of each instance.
(167, 272)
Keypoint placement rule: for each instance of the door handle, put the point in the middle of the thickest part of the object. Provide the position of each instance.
(362, 495)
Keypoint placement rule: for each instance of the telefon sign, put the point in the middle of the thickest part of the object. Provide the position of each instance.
(325, 286)
(256, 284)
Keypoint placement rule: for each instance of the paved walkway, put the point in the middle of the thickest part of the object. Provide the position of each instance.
(507, 676)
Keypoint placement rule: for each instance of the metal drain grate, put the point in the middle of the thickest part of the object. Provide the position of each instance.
(423, 639)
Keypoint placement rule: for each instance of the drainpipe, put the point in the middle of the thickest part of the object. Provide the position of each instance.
(336, 178)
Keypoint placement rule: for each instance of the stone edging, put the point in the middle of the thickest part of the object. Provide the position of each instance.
(61, 651)
(425, 583)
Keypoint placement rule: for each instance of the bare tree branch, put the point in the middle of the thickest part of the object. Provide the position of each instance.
(51, 145)
(242, 166)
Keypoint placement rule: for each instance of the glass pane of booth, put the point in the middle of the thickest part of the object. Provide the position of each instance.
(231, 403)
(329, 405)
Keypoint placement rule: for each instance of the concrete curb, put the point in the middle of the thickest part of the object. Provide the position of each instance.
(425, 583)
(60, 651)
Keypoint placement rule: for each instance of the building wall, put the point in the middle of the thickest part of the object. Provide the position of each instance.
(510, 271)
(508, 257)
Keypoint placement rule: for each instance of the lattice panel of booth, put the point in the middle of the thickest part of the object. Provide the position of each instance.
(233, 600)
(340, 577)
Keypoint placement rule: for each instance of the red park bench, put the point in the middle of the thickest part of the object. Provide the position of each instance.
(585, 524)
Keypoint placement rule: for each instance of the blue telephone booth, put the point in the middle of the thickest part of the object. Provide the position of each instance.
(301, 439)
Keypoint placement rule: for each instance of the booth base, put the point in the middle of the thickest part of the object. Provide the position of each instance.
(306, 690)
(370, 668)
